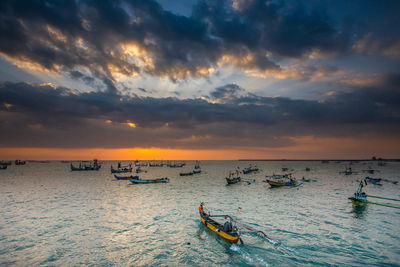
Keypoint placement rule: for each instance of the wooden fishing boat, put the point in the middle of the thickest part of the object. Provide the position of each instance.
(197, 165)
(250, 169)
(149, 181)
(95, 166)
(232, 178)
(376, 181)
(279, 180)
(217, 228)
(186, 173)
(121, 169)
(126, 177)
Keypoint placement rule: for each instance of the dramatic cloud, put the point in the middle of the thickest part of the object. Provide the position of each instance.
(135, 37)
(44, 115)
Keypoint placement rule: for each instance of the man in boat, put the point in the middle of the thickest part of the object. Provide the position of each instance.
(201, 209)
(228, 225)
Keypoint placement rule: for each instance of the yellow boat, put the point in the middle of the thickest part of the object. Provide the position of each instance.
(217, 228)
(278, 180)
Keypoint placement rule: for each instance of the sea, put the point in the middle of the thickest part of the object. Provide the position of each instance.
(50, 216)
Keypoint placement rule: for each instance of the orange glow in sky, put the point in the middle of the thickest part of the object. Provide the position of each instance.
(307, 147)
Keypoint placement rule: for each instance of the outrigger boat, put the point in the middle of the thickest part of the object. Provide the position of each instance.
(122, 169)
(83, 167)
(232, 178)
(218, 228)
(360, 197)
(348, 171)
(126, 177)
(149, 181)
(197, 169)
(376, 181)
(185, 173)
(279, 180)
(250, 169)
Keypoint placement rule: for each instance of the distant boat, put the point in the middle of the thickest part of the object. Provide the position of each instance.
(185, 173)
(20, 162)
(126, 177)
(5, 162)
(3, 167)
(149, 181)
(376, 181)
(139, 170)
(348, 171)
(308, 169)
(197, 165)
(279, 180)
(176, 165)
(284, 169)
(371, 171)
(95, 166)
(324, 161)
(122, 169)
(196, 171)
(250, 169)
(233, 177)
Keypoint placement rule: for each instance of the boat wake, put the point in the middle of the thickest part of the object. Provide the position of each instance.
(249, 258)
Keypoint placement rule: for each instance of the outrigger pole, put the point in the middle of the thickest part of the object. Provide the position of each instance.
(384, 198)
(261, 233)
(381, 204)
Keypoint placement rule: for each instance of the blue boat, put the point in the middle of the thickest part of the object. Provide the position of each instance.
(376, 181)
(196, 171)
(149, 181)
(126, 177)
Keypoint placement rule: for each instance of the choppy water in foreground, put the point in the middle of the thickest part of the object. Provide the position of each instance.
(52, 216)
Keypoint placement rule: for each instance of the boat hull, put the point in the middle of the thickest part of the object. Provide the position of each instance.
(160, 180)
(217, 228)
(121, 170)
(126, 177)
(233, 180)
(278, 184)
(358, 201)
(186, 173)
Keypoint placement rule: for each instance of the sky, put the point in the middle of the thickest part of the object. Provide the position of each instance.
(196, 79)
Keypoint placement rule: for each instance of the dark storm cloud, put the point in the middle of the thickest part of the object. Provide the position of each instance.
(60, 117)
(89, 34)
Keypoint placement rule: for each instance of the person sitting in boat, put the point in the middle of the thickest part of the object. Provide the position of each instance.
(201, 209)
(228, 225)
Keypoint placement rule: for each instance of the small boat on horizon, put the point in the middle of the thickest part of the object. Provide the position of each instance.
(95, 166)
(126, 177)
(149, 181)
(3, 167)
(186, 173)
(250, 169)
(122, 169)
(20, 162)
(376, 181)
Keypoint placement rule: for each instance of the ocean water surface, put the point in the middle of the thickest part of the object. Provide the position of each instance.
(54, 217)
